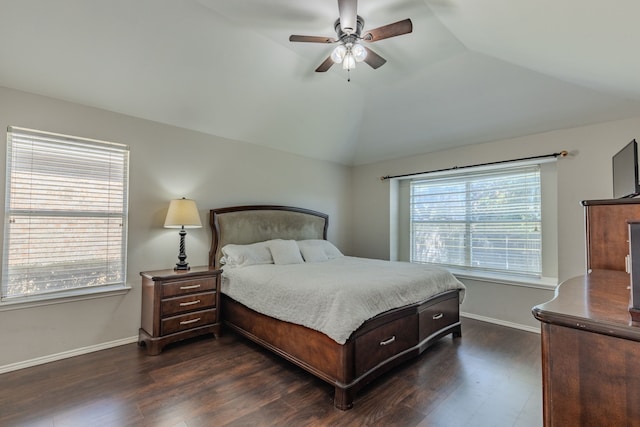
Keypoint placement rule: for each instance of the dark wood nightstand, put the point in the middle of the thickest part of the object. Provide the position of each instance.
(177, 305)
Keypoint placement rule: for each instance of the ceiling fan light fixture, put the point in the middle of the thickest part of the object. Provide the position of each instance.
(338, 54)
(359, 52)
(349, 61)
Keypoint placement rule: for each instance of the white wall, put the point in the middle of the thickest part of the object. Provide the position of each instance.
(584, 174)
(166, 163)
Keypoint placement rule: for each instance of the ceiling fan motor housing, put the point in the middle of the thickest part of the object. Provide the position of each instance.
(342, 36)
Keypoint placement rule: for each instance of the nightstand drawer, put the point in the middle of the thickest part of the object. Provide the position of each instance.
(183, 287)
(187, 321)
(193, 302)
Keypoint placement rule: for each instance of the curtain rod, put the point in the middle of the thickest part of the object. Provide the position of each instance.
(562, 153)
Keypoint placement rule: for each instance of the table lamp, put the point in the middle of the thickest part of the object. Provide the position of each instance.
(182, 213)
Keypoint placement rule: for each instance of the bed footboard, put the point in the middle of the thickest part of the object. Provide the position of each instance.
(380, 344)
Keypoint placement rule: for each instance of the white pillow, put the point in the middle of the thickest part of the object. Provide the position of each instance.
(244, 255)
(285, 252)
(330, 251)
(312, 253)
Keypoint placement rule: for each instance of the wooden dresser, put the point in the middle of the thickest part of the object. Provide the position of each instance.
(590, 346)
(607, 233)
(177, 305)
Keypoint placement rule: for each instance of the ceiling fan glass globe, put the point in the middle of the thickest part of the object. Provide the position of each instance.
(338, 54)
(349, 62)
(359, 52)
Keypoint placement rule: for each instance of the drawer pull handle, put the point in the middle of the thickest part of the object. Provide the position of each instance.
(187, 322)
(185, 304)
(189, 287)
(438, 316)
(388, 341)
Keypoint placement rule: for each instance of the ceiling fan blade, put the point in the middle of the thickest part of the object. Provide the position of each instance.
(386, 31)
(348, 10)
(311, 39)
(373, 59)
(325, 65)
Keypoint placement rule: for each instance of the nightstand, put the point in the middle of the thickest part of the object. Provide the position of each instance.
(177, 305)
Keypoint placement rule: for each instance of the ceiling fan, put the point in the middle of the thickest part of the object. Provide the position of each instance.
(350, 49)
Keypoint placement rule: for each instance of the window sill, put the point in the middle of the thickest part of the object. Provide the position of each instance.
(63, 297)
(549, 283)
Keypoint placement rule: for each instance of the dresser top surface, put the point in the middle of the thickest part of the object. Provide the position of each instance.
(608, 202)
(596, 302)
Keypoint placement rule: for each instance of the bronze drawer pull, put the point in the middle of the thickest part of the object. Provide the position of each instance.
(438, 316)
(186, 322)
(388, 341)
(184, 304)
(190, 287)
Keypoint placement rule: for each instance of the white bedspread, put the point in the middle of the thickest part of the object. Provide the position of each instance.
(337, 296)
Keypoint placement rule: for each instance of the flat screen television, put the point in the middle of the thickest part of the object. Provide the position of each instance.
(625, 172)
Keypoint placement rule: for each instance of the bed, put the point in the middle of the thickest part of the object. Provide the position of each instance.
(378, 344)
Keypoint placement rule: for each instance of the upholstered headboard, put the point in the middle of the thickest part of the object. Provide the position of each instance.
(244, 225)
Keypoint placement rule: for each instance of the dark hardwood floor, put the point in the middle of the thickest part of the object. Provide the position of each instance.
(489, 377)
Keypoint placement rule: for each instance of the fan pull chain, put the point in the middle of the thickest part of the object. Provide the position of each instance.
(348, 74)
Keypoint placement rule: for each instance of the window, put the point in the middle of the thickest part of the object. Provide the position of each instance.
(65, 215)
(487, 220)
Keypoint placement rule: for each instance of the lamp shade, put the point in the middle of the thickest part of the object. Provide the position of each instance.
(182, 213)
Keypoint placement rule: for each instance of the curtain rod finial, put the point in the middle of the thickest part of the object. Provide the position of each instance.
(564, 153)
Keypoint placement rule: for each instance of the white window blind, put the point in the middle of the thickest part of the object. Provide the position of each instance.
(487, 220)
(65, 214)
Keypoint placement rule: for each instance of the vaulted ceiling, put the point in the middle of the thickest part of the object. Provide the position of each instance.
(472, 71)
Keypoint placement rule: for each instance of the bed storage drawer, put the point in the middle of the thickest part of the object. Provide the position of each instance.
(376, 346)
(438, 315)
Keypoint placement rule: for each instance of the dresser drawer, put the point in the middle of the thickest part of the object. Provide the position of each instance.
(437, 316)
(187, 321)
(193, 302)
(189, 286)
(388, 340)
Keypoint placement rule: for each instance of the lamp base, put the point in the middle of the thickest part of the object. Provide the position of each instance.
(182, 266)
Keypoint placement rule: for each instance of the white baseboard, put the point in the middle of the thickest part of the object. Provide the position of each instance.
(501, 322)
(66, 354)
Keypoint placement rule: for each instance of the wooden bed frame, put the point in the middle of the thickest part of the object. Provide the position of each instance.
(381, 343)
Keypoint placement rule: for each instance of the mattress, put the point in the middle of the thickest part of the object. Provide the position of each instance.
(337, 296)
